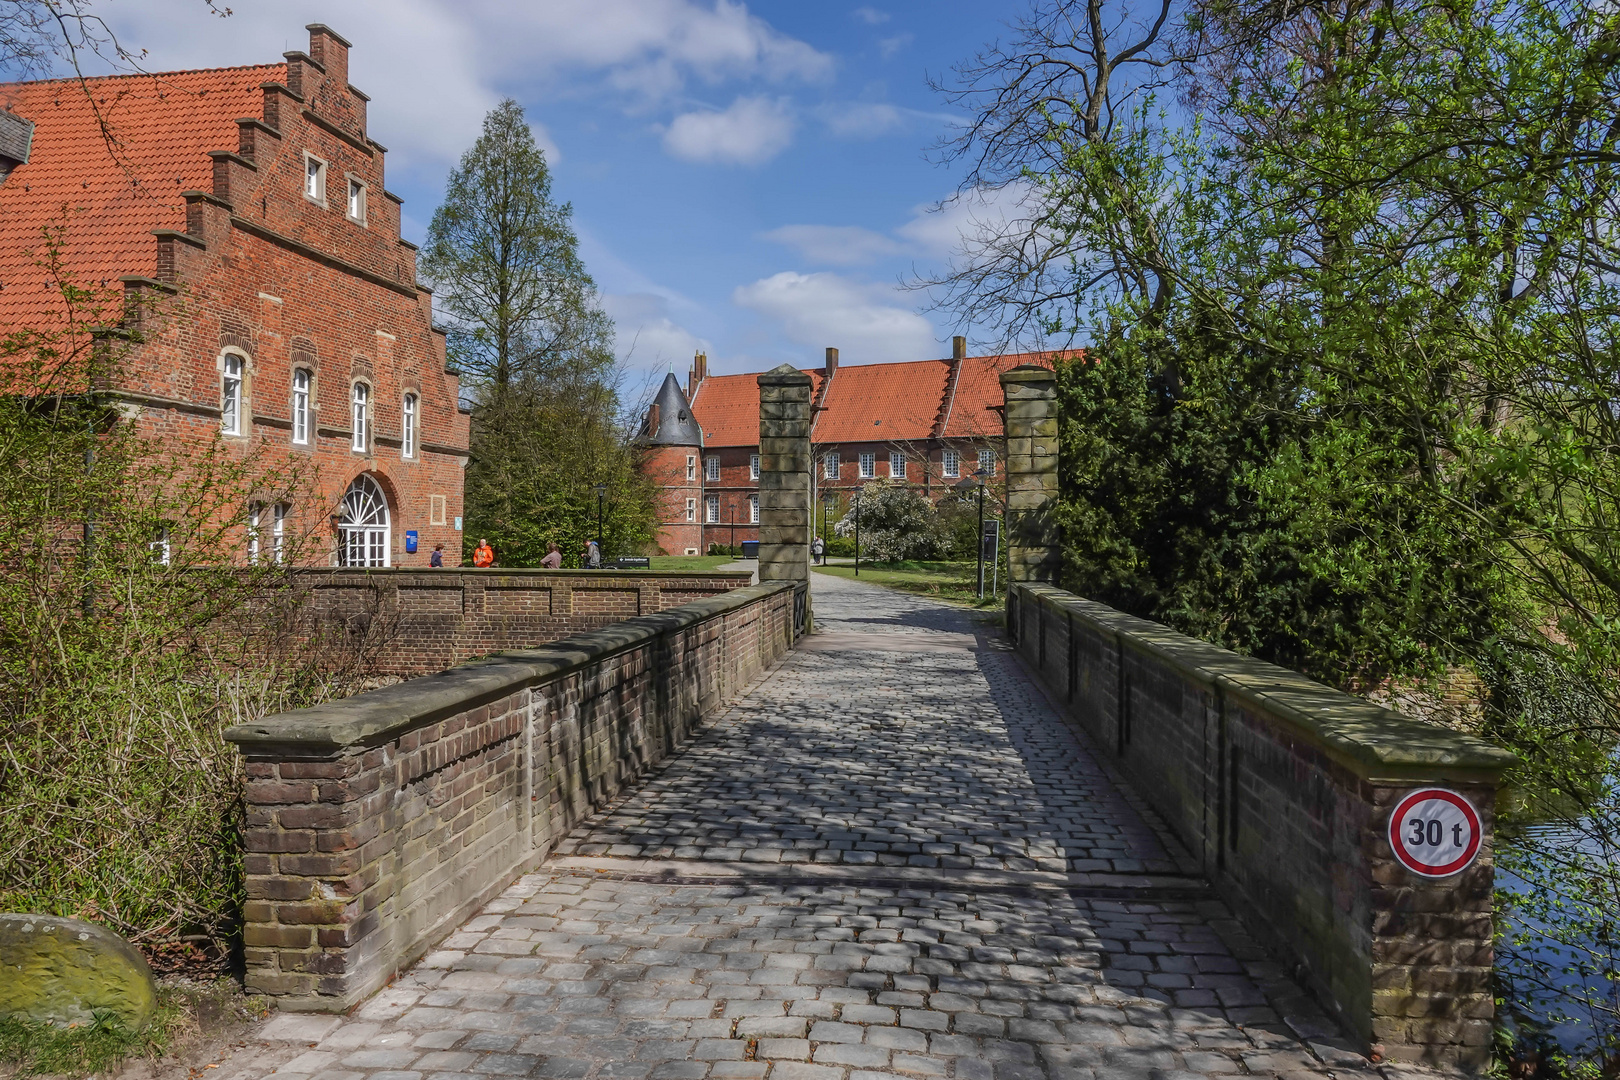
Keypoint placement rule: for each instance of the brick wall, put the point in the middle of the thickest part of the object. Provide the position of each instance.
(377, 824)
(411, 622)
(1283, 788)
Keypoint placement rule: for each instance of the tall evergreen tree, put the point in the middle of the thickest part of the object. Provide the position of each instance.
(534, 348)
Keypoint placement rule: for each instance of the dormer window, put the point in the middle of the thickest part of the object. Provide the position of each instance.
(314, 179)
(357, 201)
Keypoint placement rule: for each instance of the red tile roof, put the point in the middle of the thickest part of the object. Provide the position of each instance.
(872, 402)
(978, 386)
(883, 402)
(112, 186)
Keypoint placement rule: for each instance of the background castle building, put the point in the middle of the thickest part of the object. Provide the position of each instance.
(923, 422)
(247, 204)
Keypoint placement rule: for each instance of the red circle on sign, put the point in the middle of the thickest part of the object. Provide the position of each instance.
(1410, 859)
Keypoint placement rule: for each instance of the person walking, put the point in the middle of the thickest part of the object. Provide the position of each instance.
(437, 558)
(483, 555)
(593, 555)
(553, 559)
(817, 547)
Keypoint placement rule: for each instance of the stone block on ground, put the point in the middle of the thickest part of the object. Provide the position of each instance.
(65, 971)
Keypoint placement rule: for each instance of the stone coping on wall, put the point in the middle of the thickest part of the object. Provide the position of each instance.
(379, 715)
(1371, 741)
(511, 572)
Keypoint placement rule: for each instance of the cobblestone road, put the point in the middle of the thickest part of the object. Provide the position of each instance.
(889, 859)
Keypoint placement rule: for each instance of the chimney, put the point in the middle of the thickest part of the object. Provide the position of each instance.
(832, 361)
(700, 371)
(959, 347)
(329, 51)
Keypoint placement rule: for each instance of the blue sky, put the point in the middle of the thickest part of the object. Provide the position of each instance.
(753, 180)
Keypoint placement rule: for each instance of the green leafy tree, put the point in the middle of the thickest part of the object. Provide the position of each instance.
(1349, 283)
(535, 351)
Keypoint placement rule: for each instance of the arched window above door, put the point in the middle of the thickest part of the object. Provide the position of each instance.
(363, 525)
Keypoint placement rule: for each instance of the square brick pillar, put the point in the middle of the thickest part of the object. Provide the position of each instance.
(785, 520)
(1031, 426)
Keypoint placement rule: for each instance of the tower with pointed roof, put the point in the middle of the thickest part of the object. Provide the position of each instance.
(672, 457)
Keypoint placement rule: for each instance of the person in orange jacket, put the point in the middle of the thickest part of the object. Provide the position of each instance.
(483, 554)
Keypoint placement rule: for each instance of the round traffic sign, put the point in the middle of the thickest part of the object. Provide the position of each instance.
(1434, 832)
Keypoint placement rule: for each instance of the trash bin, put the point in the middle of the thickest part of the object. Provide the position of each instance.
(750, 549)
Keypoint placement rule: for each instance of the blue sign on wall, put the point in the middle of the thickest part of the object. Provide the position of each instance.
(410, 541)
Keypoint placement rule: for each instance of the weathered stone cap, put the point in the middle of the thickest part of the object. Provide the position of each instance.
(1028, 373)
(64, 971)
(784, 375)
(1374, 742)
(379, 715)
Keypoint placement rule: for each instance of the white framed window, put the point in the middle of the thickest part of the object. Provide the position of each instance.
(987, 462)
(357, 201)
(278, 534)
(711, 470)
(362, 417)
(364, 527)
(300, 405)
(868, 466)
(159, 545)
(897, 465)
(407, 427)
(691, 509)
(314, 179)
(753, 509)
(691, 469)
(711, 509)
(230, 394)
(951, 464)
(255, 515)
(829, 466)
(753, 466)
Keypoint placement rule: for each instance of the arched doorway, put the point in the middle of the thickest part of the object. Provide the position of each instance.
(363, 538)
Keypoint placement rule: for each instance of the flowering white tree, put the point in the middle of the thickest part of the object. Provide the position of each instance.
(897, 522)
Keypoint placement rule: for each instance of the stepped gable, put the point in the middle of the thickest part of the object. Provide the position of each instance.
(109, 161)
(670, 421)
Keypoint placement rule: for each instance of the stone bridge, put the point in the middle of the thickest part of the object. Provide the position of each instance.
(705, 845)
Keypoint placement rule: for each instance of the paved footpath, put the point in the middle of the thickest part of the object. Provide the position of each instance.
(890, 859)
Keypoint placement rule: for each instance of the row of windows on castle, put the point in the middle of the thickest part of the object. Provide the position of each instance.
(950, 466)
(230, 409)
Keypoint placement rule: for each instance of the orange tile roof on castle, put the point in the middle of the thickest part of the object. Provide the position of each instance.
(110, 188)
(904, 399)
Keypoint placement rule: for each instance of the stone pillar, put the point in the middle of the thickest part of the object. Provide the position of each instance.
(1031, 427)
(784, 480)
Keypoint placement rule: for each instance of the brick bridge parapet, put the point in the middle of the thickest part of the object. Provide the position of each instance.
(1283, 788)
(378, 823)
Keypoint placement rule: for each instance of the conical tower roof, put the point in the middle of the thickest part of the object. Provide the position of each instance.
(670, 421)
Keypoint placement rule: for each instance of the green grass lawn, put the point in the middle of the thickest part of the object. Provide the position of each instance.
(689, 563)
(952, 582)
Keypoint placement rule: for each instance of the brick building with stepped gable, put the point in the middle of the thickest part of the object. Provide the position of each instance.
(244, 213)
(923, 422)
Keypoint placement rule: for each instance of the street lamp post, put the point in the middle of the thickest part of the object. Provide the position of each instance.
(601, 542)
(857, 509)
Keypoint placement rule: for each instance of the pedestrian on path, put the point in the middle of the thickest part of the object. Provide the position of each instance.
(483, 555)
(437, 558)
(553, 559)
(593, 555)
(817, 547)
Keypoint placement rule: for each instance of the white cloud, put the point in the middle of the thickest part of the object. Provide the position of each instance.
(888, 46)
(861, 120)
(967, 220)
(750, 131)
(647, 338)
(433, 68)
(834, 245)
(827, 309)
(870, 16)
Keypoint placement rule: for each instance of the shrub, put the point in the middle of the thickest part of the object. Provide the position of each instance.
(897, 522)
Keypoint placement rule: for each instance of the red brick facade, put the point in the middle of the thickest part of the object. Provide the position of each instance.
(924, 422)
(279, 294)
